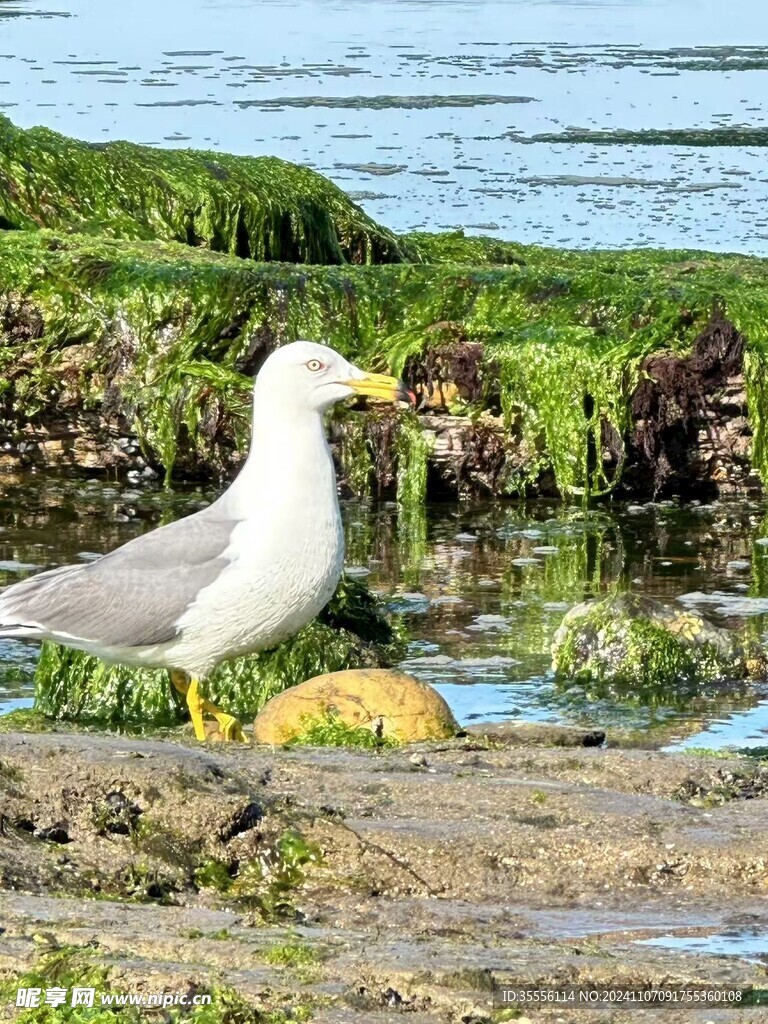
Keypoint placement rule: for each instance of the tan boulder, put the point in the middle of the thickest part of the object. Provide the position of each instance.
(391, 704)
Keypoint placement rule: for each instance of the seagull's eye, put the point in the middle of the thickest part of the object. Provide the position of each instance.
(314, 365)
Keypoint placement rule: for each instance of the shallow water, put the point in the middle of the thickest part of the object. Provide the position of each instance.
(747, 944)
(481, 588)
(427, 111)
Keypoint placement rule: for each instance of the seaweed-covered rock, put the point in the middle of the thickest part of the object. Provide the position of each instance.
(456, 248)
(258, 208)
(351, 632)
(638, 644)
(577, 373)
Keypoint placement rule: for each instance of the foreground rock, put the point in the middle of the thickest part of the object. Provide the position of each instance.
(388, 704)
(643, 645)
(355, 885)
(535, 734)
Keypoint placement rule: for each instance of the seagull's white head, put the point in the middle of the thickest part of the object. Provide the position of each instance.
(311, 376)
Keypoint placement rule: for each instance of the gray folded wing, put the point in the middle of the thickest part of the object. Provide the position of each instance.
(132, 597)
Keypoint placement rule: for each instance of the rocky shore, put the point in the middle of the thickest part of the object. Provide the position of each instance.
(340, 885)
(332, 885)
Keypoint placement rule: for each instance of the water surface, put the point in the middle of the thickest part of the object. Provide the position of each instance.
(481, 588)
(427, 111)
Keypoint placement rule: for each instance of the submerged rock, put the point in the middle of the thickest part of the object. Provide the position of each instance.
(644, 645)
(389, 704)
(514, 733)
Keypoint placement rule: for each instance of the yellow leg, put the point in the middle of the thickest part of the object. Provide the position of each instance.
(196, 705)
(229, 727)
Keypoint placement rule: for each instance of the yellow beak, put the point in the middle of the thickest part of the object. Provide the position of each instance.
(379, 385)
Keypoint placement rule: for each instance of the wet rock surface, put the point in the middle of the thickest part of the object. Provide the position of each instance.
(690, 417)
(415, 875)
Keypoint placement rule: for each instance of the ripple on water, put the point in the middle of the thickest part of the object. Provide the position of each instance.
(683, 164)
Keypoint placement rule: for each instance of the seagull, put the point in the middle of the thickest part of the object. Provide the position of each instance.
(239, 576)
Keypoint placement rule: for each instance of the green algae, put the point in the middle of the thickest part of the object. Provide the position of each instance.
(351, 632)
(736, 136)
(25, 720)
(646, 652)
(259, 208)
(268, 884)
(329, 730)
(459, 249)
(170, 333)
(70, 967)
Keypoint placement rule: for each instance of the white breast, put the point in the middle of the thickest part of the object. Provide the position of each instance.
(285, 556)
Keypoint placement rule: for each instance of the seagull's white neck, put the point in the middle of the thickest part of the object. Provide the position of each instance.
(289, 467)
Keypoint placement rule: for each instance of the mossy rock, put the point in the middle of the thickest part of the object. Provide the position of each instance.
(162, 337)
(639, 644)
(351, 631)
(390, 705)
(260, 208)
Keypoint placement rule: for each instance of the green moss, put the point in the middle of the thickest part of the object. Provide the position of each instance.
(329, 730)
(412, 449)
(355, 454)
(350, 632)
(259, 208)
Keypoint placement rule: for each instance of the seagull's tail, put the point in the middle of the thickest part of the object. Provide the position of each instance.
(18, 617)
